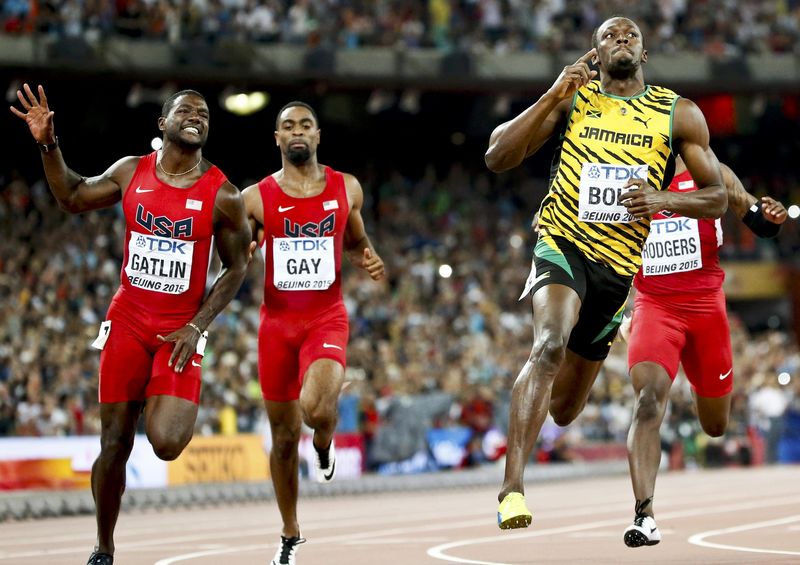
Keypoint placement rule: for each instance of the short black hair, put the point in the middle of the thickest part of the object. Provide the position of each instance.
(292, 104)
(170, 102)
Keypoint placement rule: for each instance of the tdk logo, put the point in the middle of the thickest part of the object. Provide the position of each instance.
(304, 244)
(612, 172)
(671, 226)
(160, 245)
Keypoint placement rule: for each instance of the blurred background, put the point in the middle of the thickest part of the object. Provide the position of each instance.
(407, 93)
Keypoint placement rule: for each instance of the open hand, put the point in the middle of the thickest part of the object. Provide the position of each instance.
(37, 115)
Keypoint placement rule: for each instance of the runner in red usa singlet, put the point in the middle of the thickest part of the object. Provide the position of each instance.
(151, 343)
(680, 317)
(303, 317)
(304, 217)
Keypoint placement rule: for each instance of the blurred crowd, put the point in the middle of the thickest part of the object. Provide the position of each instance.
(445, 324)
(715, 27)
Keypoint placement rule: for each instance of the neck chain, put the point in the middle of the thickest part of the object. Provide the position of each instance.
(160, 166)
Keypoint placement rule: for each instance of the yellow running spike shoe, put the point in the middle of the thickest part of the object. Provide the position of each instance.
(512, 512)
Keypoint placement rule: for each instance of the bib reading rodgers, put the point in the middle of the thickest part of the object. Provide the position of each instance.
(159, 264)
(673, 246)
(303, 263)
(601, 187)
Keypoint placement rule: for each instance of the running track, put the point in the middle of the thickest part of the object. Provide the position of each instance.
(724, 516)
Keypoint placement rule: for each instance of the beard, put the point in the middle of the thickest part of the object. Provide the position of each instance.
(623, 68)
(298, 156)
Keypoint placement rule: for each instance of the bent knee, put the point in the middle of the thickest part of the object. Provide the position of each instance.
(715, 429)
(548, 353)
(168, 448)
(564, 414)
(649, 407)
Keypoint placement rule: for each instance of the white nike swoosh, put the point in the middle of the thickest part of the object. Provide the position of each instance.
(140, 190)
(331, 346)
(196, 364)
(282, 209)
(725, 376)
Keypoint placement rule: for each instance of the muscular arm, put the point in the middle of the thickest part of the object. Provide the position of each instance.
(517, 139)
(356, 242)
(73, 192)
(691, 142)
(254, 209)
(76, 194)
(233, 236)
(523, 136)
(765, 219)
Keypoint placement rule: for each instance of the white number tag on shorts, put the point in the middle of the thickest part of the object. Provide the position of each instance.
(673, 246)
(303, 263)
(600, 191)
(201, 344)
(159, 264)
(102, 336)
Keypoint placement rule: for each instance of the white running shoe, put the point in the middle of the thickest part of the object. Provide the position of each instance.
(285, 553)
(325, 464)
(643, 531)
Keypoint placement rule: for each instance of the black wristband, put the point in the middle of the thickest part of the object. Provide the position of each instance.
(47, 147)
(758, 224)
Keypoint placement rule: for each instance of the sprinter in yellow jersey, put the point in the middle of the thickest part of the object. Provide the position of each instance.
(616, 157)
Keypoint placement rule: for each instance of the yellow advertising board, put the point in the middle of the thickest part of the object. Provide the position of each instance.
(753, 280)
(220, 459)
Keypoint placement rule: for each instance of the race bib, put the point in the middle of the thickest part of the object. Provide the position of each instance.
(303, 263)
(159, 264)
(600, 191)
(673, 246)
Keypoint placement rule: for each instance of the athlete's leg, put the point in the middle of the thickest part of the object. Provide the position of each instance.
(571, 387)
(117, 429)
(556, 309)
(651, 385)
(284, 423)
(169, 423)
(319, 399)
(713, 413)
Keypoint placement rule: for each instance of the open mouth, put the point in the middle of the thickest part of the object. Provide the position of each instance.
(192, 129)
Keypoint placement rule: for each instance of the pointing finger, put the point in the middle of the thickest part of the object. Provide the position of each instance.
(587, 58)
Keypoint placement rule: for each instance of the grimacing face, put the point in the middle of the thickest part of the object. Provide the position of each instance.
(620, 47)
(298, 134)
(186, 124)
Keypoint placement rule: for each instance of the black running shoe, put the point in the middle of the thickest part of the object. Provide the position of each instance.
(100, 559)
(285, 553)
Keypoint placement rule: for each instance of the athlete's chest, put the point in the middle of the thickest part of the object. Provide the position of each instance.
(318, 216)
(168, 212)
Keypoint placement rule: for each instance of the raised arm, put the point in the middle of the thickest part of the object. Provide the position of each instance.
(356, 242)
(763, 218)
(517, 139)
(73, 192)
(235, 247)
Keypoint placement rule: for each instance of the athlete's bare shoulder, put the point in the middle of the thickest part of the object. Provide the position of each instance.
(253, 203)
(121, 172)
